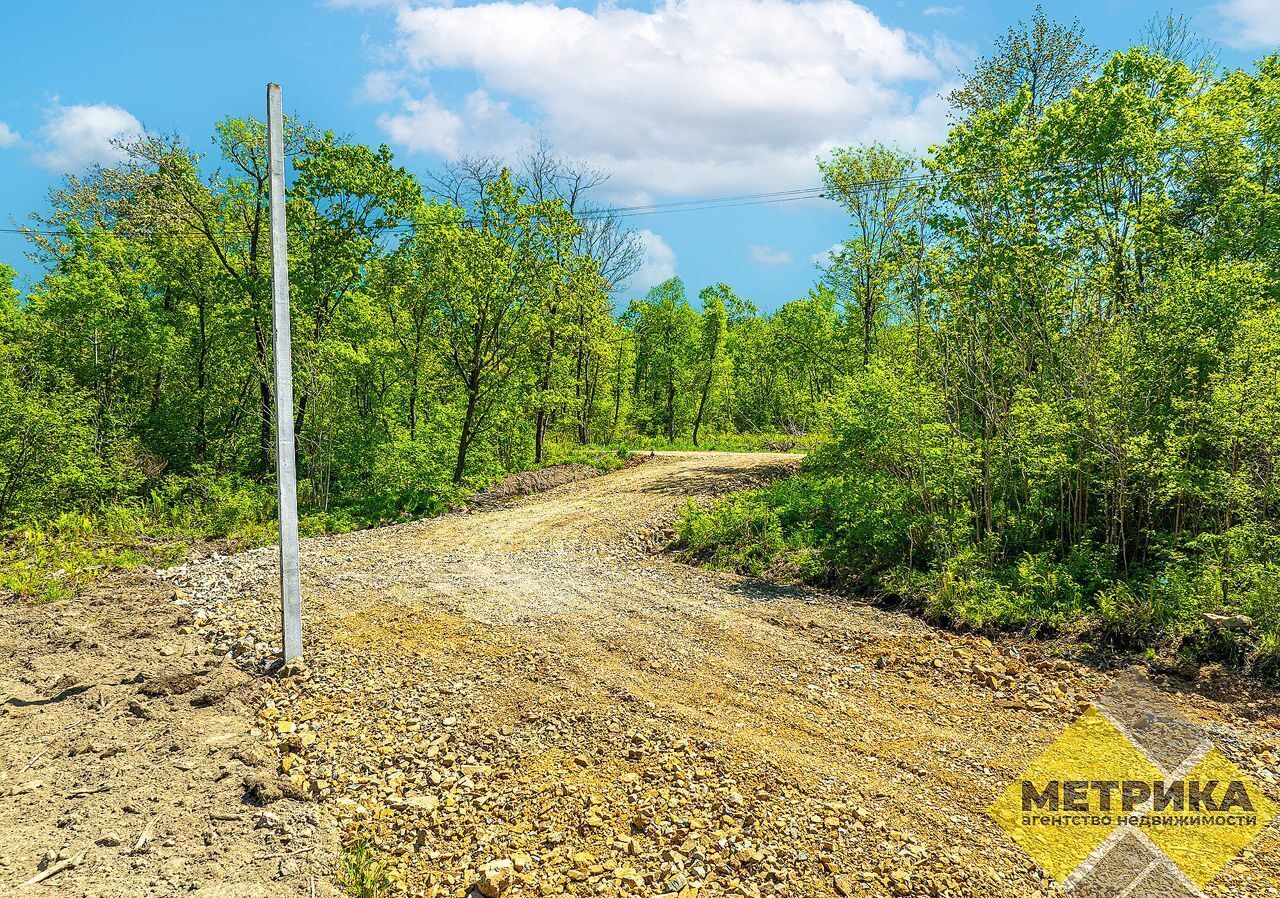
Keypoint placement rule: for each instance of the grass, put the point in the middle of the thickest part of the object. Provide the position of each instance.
(55, 561)
(602, 458)
(744, 533)
(363, 874)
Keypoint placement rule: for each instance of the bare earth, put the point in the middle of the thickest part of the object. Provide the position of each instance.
(532, 683)
(126, 759)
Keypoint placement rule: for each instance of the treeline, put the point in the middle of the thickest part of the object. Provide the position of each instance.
(1057, 350)
(443, 333)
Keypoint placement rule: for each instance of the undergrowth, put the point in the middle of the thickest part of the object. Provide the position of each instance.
(730, 442)
(823, 529)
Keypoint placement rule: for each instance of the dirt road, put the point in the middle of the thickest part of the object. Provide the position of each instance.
(532, 683)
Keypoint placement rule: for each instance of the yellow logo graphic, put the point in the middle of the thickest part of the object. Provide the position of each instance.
(1133, 800)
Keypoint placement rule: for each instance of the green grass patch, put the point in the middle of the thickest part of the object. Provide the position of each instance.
(603, 459)
(363, 873)
(54, 561)
(754, 532)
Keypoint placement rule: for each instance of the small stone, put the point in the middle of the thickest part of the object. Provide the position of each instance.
(1234, 623)
(628, 876)
(268, 820)
(424, 803)
(111, 840)
(496, 877)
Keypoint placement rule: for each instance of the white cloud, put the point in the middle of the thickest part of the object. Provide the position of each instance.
(380, 87)
(943, 10)
(824, 258)
(424, 125)
(76, 136)
(689, 97)
(767, 255)
(483, 125)
(8, 137)
(659, 261)
(1250, 23)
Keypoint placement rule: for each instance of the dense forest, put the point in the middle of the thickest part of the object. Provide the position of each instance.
(1057, 352)
(442, 336)
(1042, 373)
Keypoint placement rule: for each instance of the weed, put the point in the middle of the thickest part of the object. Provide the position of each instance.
(363, 874)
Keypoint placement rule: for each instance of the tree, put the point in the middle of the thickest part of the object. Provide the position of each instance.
(1172, 37)
(345, 201)
(713, 332)
(663, 324)
(1044, 57)
(874, 185)
(487, 278)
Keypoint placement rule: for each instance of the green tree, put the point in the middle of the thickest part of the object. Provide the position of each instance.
(1043, 57)
(663, 325)
(874, 185)
(713, 334)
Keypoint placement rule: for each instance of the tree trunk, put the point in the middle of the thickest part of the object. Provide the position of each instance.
(464, 441)
(202, 360)
(413, 407)
(671, 410)
(539, 435)
(265, 406)
(544, 384)
(706, 389)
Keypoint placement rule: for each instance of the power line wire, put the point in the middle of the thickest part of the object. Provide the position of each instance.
(693, 205)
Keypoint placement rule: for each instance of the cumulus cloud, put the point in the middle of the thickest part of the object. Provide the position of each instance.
(825, 257)
(767, 255)
(8, 137)
(73, 137)
(482, 125)
(659, 261)
(1250, 23)
(690, 96)
(380, 87)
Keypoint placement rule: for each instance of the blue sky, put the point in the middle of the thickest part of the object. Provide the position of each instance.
(679, 99)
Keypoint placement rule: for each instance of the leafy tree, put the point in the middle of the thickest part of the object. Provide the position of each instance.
(873, 184)
(713, 334)
(1046, 58)
(664, 326)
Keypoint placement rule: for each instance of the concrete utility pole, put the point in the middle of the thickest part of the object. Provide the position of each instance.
(286, 461)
